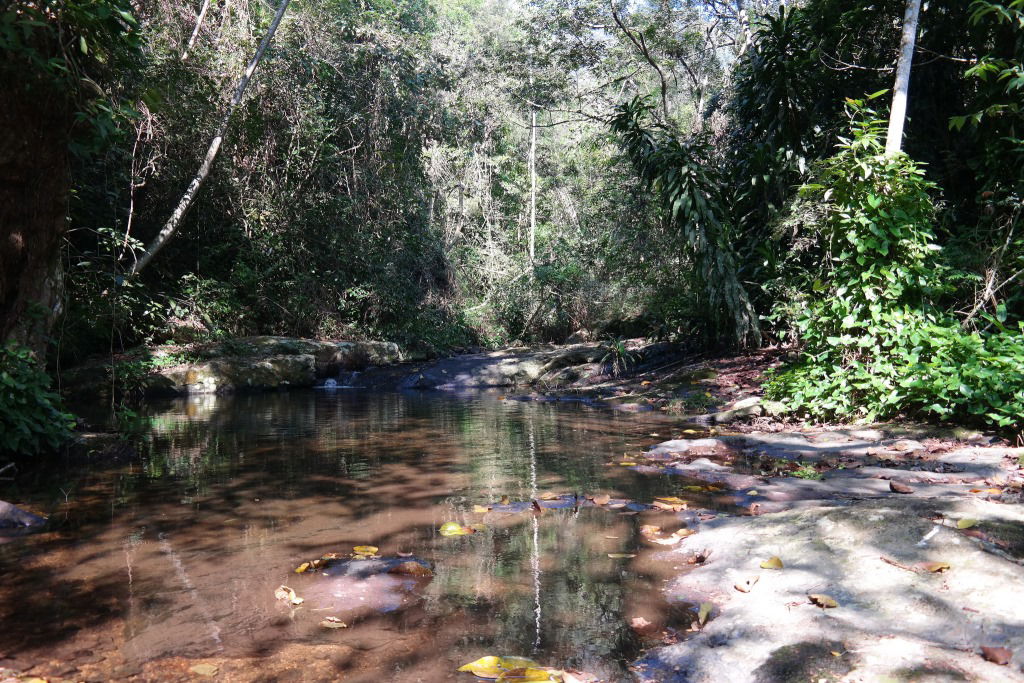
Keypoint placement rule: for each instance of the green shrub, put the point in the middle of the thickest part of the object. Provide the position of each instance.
(30, 416)
(874, 343)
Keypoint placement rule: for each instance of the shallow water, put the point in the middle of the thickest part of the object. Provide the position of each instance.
(174, 556)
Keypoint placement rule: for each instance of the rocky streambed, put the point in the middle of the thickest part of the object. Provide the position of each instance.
(866, 557)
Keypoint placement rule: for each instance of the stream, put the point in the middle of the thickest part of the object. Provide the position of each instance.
(170, 558)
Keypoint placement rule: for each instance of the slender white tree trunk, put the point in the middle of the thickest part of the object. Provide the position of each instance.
(533, 183)
(195, 31)
(172, 224)
(898, 113)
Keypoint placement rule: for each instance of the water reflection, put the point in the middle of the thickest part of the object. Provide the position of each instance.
(180, 553)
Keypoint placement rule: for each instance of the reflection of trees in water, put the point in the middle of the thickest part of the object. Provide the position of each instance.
(543, 585)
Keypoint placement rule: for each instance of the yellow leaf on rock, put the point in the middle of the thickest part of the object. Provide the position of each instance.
(966, 523)
(480, 509)
(548, 495)
(365, 550)
(492, 667)
(704, 612)
(302, 567)
(822, 600)
(772, 562)
(934, 567)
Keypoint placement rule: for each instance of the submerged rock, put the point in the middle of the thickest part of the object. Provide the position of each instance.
(12, 516)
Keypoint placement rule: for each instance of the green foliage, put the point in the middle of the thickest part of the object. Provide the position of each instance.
(31, 420)
(617, 357)
(875, 344)
(680, 175)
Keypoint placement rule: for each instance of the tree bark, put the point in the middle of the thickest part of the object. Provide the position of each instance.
(898, 112)
(35, 183)
(172, 224)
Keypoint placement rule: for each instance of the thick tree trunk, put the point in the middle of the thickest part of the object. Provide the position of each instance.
(898, 113)
(34, 189)
(172, 224)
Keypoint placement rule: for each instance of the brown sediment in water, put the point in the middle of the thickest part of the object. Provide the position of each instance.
(171, 561)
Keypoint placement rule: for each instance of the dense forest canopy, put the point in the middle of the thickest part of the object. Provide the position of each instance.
(449, 173)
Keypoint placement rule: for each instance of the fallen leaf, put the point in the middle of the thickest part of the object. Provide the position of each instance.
(752, 492)
(302, 567)
(621, 556)
(327, 557)
(365, 550)
(547, 495)
(200, 670)
(704, 612)
(897, 487)
(966, 523)
(822, 600)
(997, 655)
(333, 622)
(671, 500)
(602, 499)
(934, 567)
(993, 491)
(480, 509)
(505, 500)
(530, 673)
(772, 562)
(684, 532)
(287, 594)
(650, 530)
(747, 585)
(492, 667)
(411, 569)
(453, 529)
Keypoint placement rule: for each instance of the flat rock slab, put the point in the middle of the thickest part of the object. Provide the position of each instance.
(892, 623)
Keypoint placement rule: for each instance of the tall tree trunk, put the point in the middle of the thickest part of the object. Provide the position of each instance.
(533, 182)
(35, 124)
(172, 224)
(898, 113)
